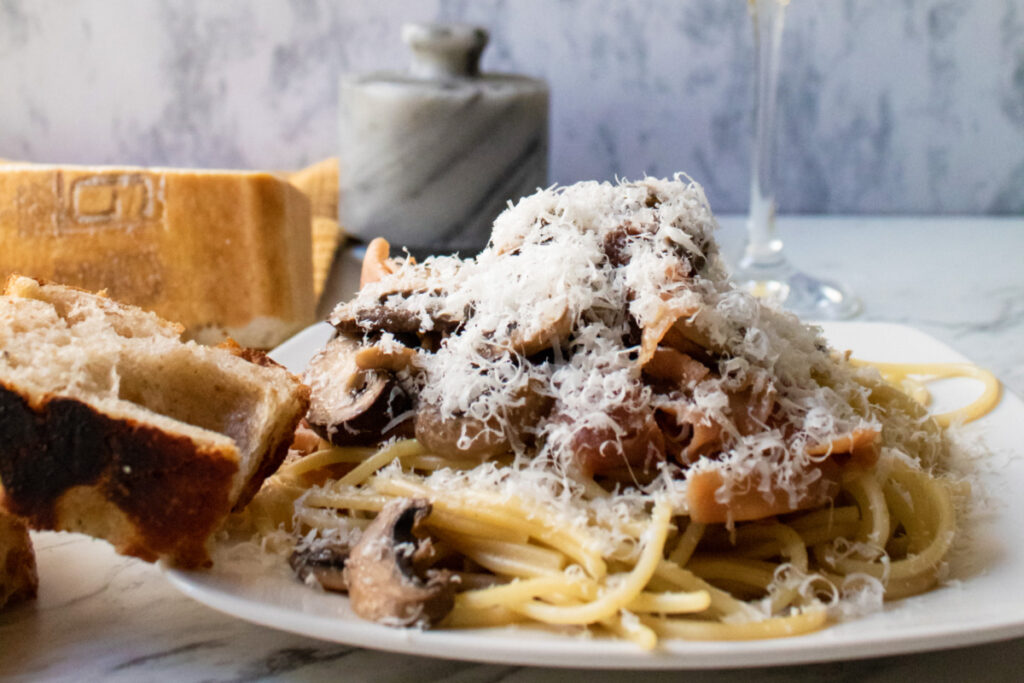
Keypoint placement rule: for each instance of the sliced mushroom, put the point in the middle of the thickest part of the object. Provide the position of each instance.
(378, 308)
(325, 562)
(359, 317)
(394, 357)
(551, 326)
(460, 436)
(617, 243)
(351, 406)
(386, 582)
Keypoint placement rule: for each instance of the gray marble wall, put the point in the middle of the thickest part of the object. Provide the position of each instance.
(909, 106)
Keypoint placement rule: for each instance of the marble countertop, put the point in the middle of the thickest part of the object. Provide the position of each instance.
(104, 617)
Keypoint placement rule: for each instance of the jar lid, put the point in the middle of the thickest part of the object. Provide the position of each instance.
(444, 50)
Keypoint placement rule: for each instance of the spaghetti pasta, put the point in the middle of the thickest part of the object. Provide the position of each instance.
(533, 559)
(906, 376)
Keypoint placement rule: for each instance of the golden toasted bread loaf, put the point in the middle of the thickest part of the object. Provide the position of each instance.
(112, 426)
(225, 253)
(18, 579)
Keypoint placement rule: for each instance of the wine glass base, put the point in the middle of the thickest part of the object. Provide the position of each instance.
(806, 296)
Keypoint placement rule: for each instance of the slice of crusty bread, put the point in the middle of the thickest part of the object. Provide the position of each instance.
(225, 253)
(18, 578)
(112, 426)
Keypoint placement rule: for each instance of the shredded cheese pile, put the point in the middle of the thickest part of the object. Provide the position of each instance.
(590, 275)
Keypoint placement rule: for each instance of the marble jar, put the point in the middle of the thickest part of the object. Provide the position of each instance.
(430, 156)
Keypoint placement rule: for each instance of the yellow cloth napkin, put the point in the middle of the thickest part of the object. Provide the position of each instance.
(319, 182)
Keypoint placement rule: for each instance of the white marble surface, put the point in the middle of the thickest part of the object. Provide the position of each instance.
(103, 617)
(911, 106)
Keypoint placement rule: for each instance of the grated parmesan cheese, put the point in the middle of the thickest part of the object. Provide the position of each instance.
(559, 304)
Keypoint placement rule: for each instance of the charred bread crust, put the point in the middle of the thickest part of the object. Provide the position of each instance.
(172, 493)
(19, 580)
(254, 356)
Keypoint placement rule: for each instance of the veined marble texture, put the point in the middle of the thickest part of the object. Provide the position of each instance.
(432, 154)
(906, 106)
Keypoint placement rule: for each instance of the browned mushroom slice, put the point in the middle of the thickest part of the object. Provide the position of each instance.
(551, 327)
(385, 582)
(324, 562)
(394, 357)
(358, 317)
(350, 406)
(617, 245)
(381, 309)
(458, 436)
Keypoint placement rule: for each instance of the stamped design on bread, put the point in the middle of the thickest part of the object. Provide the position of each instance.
(117, 200)
(225, 253)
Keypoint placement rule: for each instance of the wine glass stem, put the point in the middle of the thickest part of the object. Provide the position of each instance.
(764, 248)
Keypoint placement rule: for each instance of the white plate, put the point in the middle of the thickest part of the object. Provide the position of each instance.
(986, 603)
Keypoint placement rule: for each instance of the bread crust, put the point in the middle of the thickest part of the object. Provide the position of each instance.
(272, 460)
(19, 580)
(172, 493)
